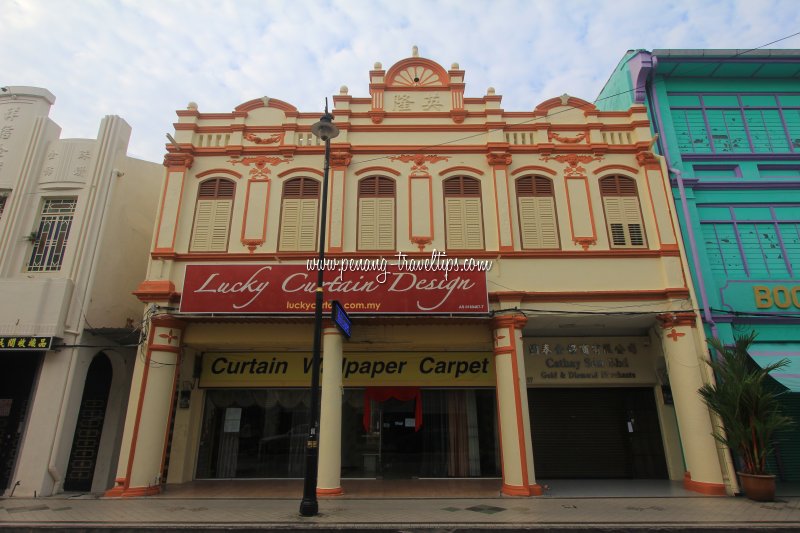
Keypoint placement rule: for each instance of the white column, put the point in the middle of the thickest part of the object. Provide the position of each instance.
(149, 412)
(513, 419)
(685, 367)
(329, 472)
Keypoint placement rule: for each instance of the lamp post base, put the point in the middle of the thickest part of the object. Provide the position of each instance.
(309, 507)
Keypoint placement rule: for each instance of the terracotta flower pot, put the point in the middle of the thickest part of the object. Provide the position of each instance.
(760, 488)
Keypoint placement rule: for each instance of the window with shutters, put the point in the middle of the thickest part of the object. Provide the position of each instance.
(299, 211)
(751, 241)
(376, 213)
(538, 227)
(731, 123)
(623, 213)
(463, 213)
(212, 216)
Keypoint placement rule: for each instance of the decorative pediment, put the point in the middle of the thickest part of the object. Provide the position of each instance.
(416, 72)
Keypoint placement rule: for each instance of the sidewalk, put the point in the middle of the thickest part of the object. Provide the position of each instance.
(86, 513)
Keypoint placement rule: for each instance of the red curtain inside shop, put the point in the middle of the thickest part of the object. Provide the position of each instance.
(404, 394)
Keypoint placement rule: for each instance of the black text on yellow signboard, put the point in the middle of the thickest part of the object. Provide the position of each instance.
(455, 369)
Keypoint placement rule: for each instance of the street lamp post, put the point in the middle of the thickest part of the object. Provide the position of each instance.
(325, 130)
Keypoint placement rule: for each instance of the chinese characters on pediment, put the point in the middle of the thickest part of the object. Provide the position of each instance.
(414, 101)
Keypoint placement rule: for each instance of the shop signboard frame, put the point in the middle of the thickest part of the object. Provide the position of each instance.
(289, 289)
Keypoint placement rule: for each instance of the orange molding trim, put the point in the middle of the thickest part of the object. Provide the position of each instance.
(378, 169)
(516, 321)
(712, 489)
(506, 350)
(136, 492)
(300, 170)
(177, 162)
(170, 170)
(168, 321)
(338, 491)
(156, 290)
(583, 240)
(534, 168)
(253, 243)
(524, 490)
(606, 168)
(461, 168)
(595, 296)
(420, 240)
(678, 318)
(571, 101)
(218, 171)
(257, 103)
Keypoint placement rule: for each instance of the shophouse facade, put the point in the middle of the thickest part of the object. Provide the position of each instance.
(576, 355)
(76, 215)
(728, 124)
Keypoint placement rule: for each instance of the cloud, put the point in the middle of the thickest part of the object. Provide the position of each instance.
(143, 59)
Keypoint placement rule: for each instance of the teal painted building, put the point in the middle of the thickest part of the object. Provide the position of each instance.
(728, 124)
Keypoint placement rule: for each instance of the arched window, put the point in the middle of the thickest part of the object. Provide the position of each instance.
(212, 216)
(538, 226)
(623, 212)
(299, 211)
(463, 213)
(376, 213)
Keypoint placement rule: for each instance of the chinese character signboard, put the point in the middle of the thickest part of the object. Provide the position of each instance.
(589, 361)
(25, 343)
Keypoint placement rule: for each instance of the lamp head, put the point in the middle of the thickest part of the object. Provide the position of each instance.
(325, 129)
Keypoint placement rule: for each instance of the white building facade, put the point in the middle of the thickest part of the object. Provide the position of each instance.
(75, 223)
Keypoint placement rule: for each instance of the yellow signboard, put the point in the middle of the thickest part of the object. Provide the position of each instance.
(374, 369)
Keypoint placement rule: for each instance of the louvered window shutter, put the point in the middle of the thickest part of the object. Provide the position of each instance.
(376, 224)
(307, 234)
(367, 231)
(298, 225)
(537, 216)
(624, 221)
(212, 217)
(385, 223)
(455, 223)
(623, 216)
(463, 214)
(376, 213)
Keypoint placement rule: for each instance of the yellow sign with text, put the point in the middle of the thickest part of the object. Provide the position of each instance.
(374, 369)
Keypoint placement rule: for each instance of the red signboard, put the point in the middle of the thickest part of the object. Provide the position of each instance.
(289, 289)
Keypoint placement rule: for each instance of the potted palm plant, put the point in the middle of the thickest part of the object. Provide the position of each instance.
(748, 408)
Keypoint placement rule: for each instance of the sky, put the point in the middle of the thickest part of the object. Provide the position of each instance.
(145, 59)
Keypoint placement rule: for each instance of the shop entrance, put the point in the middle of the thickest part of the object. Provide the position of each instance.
(16, 381)
(603, 433)
(406, 433)
(392, 433)
(89, 427)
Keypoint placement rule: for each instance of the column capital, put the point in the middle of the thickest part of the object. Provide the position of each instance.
(168, 321)
(340, 158)
(516, 321)
(498, 159)
(178, 161)
(678, 318)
